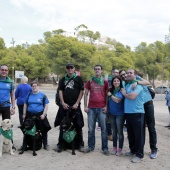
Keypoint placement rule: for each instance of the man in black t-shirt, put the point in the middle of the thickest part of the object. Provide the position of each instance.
(71, 89)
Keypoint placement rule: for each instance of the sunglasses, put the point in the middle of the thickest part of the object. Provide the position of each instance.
(69, 67)
(4, 70)
(122, 75)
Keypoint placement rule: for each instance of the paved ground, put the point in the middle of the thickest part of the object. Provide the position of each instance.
(95, 160)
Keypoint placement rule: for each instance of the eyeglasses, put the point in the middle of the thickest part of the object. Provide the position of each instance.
(115, 72)
(4, 70)
(69, 67)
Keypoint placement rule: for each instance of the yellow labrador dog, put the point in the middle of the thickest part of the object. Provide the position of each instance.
(6, 135)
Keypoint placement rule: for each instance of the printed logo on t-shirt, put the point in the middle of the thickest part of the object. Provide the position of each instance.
(70, 84)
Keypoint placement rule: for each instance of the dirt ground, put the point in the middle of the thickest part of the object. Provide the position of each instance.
(95, 160)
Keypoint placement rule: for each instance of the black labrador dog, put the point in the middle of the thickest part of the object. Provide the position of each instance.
(32, 137)
(69, 140)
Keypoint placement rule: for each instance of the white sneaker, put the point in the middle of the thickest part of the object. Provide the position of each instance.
(136, 159)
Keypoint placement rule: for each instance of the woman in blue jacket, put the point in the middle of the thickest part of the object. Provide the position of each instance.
(116, 114)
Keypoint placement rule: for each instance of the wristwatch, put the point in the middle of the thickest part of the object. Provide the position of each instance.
(111, 95)
(13, 107)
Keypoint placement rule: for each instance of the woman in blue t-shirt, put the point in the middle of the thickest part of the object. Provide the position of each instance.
(116, 114)
(36, 104)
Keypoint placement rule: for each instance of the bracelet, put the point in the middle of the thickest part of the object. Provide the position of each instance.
(45, 115)
(13, 107)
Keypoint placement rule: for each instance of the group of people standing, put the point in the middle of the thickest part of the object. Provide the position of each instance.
(123, 97)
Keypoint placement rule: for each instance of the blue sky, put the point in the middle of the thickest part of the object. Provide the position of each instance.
(128, 21)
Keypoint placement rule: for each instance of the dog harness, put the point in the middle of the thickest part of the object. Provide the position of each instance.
(31, 132)
(6, 133)
(68, 136)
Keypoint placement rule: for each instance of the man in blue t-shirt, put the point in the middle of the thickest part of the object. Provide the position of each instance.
(134, 114)
(6, 93)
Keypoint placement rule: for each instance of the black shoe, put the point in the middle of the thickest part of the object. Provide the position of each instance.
(58, 149)
(20, 149)
(47, 147)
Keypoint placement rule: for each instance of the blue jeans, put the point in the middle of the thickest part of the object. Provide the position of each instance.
(117, 123)
(93, 114)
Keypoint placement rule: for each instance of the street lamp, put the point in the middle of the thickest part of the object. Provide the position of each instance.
(13, 58)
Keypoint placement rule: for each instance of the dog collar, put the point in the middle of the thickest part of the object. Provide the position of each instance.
(6, 133)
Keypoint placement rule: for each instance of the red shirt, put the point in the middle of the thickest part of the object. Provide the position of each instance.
(97, 97)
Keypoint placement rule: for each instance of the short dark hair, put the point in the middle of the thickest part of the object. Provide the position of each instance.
(112, 87)
(34, 82)
(98, 65)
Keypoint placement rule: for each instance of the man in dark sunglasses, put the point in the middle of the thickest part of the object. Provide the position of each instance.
(6, 93)
(71, 89)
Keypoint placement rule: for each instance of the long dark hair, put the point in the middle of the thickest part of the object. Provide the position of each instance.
(112, 86)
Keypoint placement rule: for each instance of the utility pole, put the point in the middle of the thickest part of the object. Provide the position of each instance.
(13, 58)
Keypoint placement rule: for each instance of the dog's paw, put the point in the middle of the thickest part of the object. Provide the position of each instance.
(73, 153)
(34, 154)
(12, 153)
(20, 153)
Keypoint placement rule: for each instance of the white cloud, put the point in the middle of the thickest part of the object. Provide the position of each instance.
(129, 22)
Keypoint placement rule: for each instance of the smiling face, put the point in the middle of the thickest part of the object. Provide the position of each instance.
(123, 75)
(3, 71)
(70, 70)
(116, 83)
(35, 87)
(131, 74)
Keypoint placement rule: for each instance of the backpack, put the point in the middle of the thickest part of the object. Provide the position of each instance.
(152, 92)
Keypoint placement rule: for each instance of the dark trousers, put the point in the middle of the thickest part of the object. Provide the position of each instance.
(136, 134)
(20, 110)
(76, 122)
(5, 111)
(150, 121)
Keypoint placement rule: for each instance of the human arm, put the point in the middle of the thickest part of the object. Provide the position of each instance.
(114, 98)
(75, 106)
(24, 110)
(12, 102)
(86, 92)
(65, 105)
(140, 81)
(44, 112)
(130, 96)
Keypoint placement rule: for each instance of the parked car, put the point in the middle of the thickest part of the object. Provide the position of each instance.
(161, 89)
